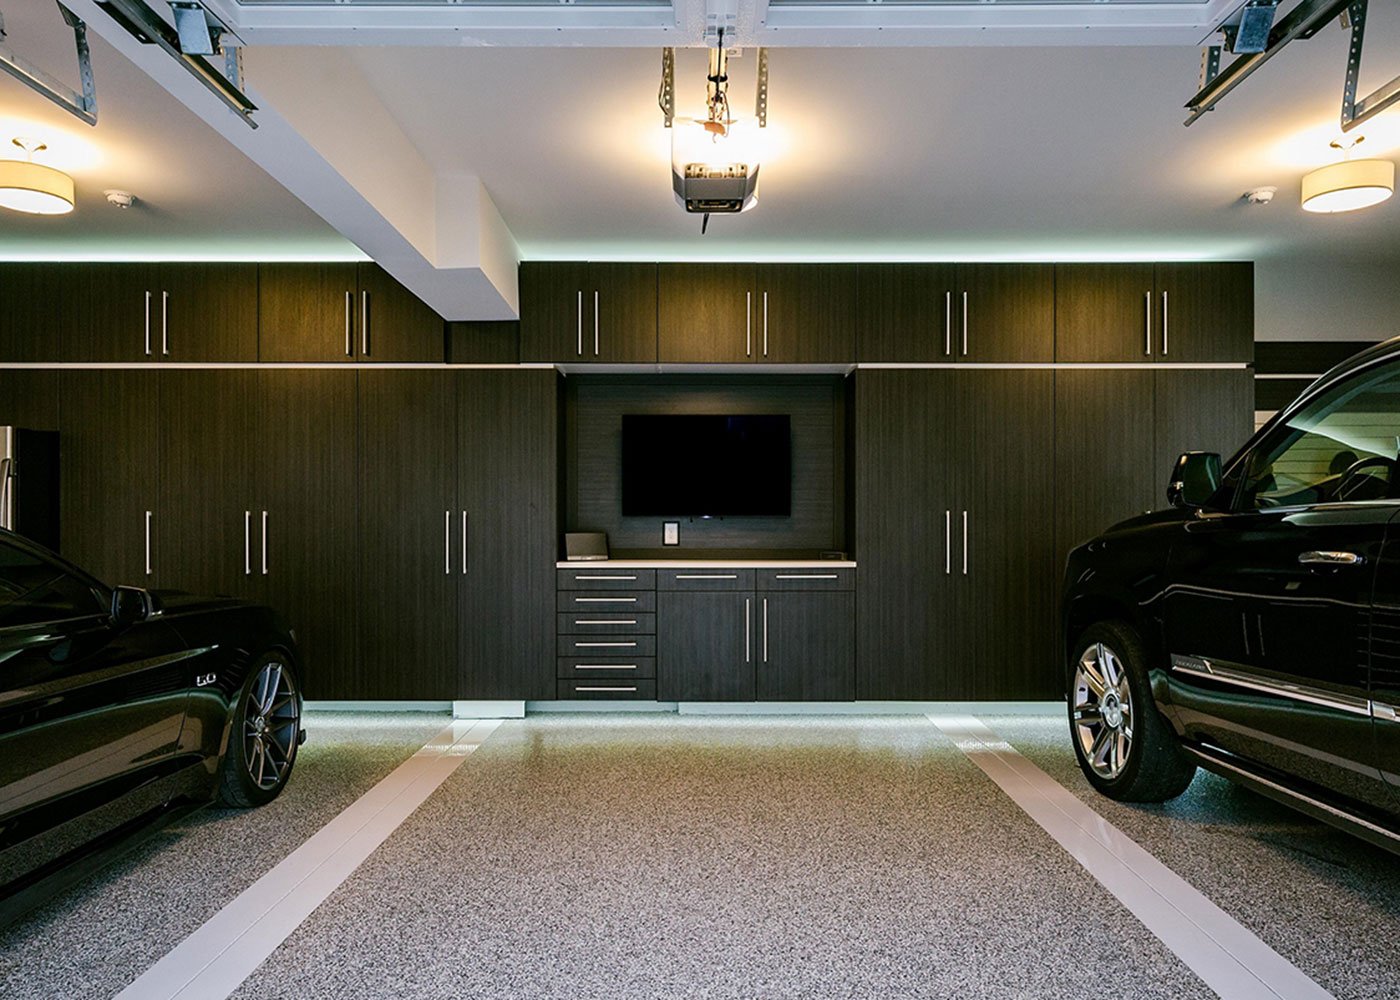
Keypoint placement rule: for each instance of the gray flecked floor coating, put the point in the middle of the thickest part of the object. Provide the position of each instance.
(92, 940)
(1326, 901)
(634, 857)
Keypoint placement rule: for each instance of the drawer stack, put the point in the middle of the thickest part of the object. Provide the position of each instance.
(606, 633)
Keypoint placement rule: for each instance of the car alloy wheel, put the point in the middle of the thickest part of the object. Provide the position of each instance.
(1103, 710)
(271, 719)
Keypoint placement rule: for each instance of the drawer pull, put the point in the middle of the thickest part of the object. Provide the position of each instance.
(605, 578)
(605, 621)
(707, 576)
(630, 689)
(606, 666)
(610, 645)
(605, 600)
(807, 576)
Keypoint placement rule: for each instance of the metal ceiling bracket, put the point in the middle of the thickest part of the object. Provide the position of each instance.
(1357, 110)
(82, 105)
(761, 98)
(1210, 65)
(667, 97)
(150, 28)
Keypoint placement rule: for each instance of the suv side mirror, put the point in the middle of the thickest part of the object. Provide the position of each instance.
(1194, 480)
(131, 605)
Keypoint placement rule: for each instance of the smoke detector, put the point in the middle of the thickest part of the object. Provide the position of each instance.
(122, 199)
(1260, 195)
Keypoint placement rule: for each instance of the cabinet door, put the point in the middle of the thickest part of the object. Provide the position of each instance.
(204, 522)
(1211, 410)
(38, 304)
(905, 495)
(1206, 312)
(29, 398)
(118, 315)
(307, 312)
(705, 645)
(905, 313)
(1104, 313)
(623, 307)
(1104, 437)
(1007, 577)
(395, 325)
(552, 311)
(208, 312)
(305, 522)
(506, 533)
(806, 646)
(408, 530)
(705, 313)
(109, 455)
(1006, 313)
(805, 313)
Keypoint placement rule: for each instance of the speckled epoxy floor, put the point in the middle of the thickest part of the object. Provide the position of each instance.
(94, 939)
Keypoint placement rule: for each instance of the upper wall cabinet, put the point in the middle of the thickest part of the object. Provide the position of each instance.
(36, 307)
(343, 312)
(574, 313)
(756, 313)
(944, 313)
(1173, 313)
(159, 312)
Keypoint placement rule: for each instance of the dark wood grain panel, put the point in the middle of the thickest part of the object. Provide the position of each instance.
(601, 577)
(408, 530)
(116, 314)
(583, 689)
(594, 467)
(39, 304)
(483, 343)
(307, 312)
(607, 666)
(624, 313)
(1006, 313)
(210, 311)
(605, 623)
(805, 313)
(29, 398)
(603, 645)
(806, 647)
(705, 648)
(1102, 313)
(1206, 312)
(605, 601)
(705, 313)
(396, 326)
(905, 313)
(1199, 411)
(552, 311)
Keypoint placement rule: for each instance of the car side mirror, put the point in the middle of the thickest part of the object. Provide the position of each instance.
(1194, 480)
(132, 605)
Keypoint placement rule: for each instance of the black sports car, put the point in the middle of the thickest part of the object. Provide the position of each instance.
(119, 707)
(1254, 628)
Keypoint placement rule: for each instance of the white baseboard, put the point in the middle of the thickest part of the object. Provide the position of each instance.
(379, 706)
(488, 709)
(519, 709)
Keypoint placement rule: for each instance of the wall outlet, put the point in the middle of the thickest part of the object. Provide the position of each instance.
(670, 533)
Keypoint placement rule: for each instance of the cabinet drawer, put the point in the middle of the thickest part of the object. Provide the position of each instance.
(807, 579)
(597, 646)
(606, 623)
(599, 578)
(718, 578)
(612, 667)
(639, 690)
(607, 602)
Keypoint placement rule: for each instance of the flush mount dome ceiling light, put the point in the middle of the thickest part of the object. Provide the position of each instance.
(1348, 185)
(26, 186)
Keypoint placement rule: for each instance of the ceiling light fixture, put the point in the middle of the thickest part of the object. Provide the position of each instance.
(26, 186)
(1350, 184)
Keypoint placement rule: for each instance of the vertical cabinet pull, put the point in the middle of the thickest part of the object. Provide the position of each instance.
(1147, 326)
(595, 323)
(947, 324)
(148, 324)
(947, 542)
(964, 318)
(364, 323)
(447, 542)
(765, 630)
(264, 543)
(165, 323)
(464, 542)
(349, 344)
(748, 324)
(148, 543)
(1164, 324)
(747, 643)
(247, 543)
(765, 324)
(964, 513)
(580, 322)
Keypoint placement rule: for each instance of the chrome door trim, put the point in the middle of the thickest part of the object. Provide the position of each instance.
(1382, 712)
(1330, 558)
(1199, 666)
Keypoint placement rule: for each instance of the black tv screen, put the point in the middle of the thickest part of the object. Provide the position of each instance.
(706, 465)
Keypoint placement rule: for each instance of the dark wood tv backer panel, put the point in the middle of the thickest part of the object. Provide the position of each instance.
(594, 407)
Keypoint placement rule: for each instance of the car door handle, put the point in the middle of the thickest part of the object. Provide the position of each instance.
(1330, 559)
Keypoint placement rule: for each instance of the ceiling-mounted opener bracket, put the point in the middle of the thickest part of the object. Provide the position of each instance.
(760, 109)
(666, 97)
(82, 105)
(1357, 110)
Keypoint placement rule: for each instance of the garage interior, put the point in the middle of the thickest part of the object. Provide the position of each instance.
(375, 312)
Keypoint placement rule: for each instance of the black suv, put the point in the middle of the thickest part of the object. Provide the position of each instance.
(1254, 628)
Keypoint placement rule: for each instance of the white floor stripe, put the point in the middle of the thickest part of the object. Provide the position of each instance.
(1227, 956)
(213, 961)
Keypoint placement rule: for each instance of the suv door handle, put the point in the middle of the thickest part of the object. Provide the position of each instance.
(1331, 559)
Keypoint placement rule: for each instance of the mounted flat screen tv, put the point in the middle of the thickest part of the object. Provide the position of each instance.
(706, 465)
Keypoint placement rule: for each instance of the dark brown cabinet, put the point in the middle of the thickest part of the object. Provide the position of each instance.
(704, 313)
(1199, 410)
(1173, 313)
(343, 312)
(705, 645)
(945, 313)
(29, 398)
(806, 646)
(38, 305)
(582, 313)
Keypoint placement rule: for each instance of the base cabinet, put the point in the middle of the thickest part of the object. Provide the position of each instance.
(806, 647)
(705, 645)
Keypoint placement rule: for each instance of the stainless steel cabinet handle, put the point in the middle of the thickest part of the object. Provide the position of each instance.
(1331, 559)
(605, 600)
(264, 543)
(947, 542)
(964, 543)
(748, 324)
(605, 666)
(765, 324)
(148, 324)
(806, 576)
(349, 344)
(148, 543)
(746, 630)
(605, 621)
(630, 689)
(704, 576)
(165, 323)
(608, 645)
(447, 542)
(605, 578)
(1164, 324)
(1147, 326)
(364, 323)
(947, 324)
(595, 324)
(765, 630)
(247, 543)
(580, 322)
(964, 318)
(464, 542)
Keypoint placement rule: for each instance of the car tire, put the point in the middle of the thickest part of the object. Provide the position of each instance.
(266, 731)
(1123, 744)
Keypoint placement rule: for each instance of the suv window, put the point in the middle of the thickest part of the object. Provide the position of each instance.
(1343, 446)
(34, 590)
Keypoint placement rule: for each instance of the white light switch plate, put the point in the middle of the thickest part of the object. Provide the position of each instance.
(670, 533)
